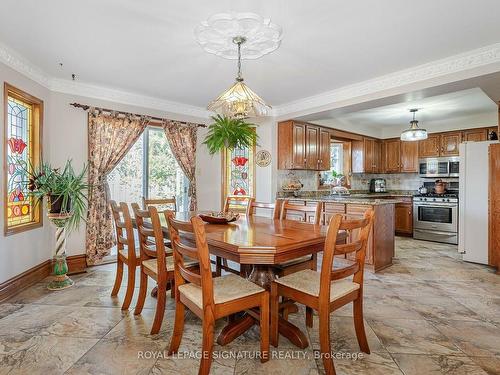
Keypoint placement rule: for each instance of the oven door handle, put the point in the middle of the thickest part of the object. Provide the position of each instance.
(436, 204)
(449, 234)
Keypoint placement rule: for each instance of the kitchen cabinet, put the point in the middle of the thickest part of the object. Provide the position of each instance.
(404, 217)
(366, 156)
(392, 155)
(409, 157)
(291, 145)
(324, 149)
(331, 209)
(475, 135)
(303, 146)
(443, 144)
(429, 148)
(449, 143)
(494, 206)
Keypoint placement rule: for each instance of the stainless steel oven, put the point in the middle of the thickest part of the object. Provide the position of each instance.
(438, 167)
(435, 219)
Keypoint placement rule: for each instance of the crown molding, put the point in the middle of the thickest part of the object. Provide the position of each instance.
(456, 67)
(125, 97)
(22, 65)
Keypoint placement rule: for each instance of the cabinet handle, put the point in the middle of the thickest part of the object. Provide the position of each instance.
(409, 212)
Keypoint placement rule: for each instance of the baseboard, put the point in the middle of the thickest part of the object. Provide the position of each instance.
(76, 264)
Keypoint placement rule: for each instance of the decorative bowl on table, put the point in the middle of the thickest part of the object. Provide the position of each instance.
(219, 217)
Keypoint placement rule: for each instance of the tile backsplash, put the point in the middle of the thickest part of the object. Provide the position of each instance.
(395, 181)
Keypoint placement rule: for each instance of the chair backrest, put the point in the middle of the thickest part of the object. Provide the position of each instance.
(301, 211)
(178, 231)
(275, 208)
(123, 222)
(151, 239)
(340, 223)
(164, 203)
(238, 203)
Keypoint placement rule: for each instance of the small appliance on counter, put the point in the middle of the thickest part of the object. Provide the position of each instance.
(377, 185)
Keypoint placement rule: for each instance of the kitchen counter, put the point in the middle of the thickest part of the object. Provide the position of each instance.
(356, 197)
(350, 200)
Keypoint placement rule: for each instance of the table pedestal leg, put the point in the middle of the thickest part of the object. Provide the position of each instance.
(263, 275)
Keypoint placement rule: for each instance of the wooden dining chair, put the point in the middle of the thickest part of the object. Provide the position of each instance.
(329, 289)
(126, 254)
(275, 208)
(207, 297)
(236, 203)
(309, 214)
(160, 203)
(155, 261)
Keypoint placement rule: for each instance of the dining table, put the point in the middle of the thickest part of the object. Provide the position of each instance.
(262, 243)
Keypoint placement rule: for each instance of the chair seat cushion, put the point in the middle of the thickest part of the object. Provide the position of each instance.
(292, 262)
(152, 264)
(307, 281)
(226, 288)
(124, 253)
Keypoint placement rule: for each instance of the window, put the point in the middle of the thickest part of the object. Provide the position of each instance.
(336, 163)
(23, 124)
(149, 169)
(238, 172)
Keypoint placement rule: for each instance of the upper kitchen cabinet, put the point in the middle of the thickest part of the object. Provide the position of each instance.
(475, 135)
(291, 145)
(303, 146)
(444, 144)
(429, 147)
(392, 155)
(409, 157)
(450, 142)
(366, 156)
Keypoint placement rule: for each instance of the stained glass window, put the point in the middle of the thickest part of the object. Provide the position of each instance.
(22, 148)
(239, 172)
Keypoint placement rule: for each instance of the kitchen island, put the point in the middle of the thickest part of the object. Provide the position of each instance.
(380, 249)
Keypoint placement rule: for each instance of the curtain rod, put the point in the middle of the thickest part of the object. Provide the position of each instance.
(87, 107)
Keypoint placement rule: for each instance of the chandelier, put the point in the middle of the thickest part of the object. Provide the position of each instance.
(414, 133)
(239, 101)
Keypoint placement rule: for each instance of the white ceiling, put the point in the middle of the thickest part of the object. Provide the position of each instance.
(437, 108)
(148, 47)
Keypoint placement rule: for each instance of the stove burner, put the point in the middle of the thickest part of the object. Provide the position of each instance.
(434, 195)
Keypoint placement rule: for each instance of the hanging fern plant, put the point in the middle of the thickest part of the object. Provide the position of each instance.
(229, 133)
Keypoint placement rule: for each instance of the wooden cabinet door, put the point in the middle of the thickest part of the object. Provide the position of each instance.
(475, 135)
(429, 147)
(392, 155)
(299, 146)
(449, 143)
(312, 149)
(331, 209)
(324, 150)
(369, 157)
(409, 156)
(404, 218)
(377, 157)
(494, 206)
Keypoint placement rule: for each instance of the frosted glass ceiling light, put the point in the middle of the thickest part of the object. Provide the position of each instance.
(414, 133)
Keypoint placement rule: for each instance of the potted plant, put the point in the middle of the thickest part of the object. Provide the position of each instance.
(65, 191)
(231, 133)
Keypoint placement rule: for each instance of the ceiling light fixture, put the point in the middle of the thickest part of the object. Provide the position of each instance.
(239, 101)
(414, 133)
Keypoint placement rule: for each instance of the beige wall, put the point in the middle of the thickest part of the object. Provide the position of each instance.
(22, 251)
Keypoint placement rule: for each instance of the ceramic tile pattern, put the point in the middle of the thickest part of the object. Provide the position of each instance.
(429, 313)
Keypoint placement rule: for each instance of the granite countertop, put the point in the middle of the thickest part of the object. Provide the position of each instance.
(356, 197)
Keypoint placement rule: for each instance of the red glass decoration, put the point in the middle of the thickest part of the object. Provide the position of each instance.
(239, 191)
(17, 145)
(240, 161)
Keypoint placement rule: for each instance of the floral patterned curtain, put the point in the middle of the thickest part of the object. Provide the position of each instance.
(109, 139)
(182, 139)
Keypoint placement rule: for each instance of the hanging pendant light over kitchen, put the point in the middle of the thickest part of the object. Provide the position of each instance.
(414, 133)
(239, 101)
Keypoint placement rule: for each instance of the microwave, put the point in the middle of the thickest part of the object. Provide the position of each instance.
(438, 167)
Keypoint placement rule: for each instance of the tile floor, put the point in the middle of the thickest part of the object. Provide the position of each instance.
(429, 313)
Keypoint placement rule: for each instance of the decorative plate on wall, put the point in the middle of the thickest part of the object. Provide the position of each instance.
(263, 158)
